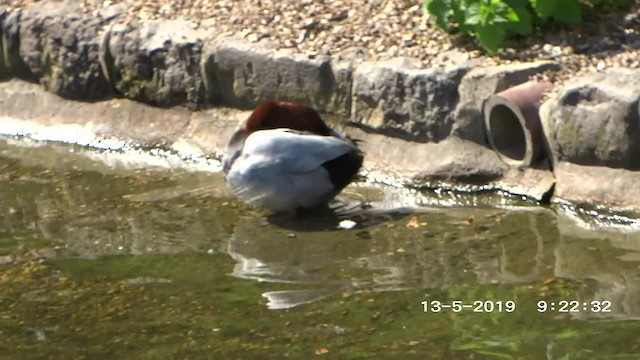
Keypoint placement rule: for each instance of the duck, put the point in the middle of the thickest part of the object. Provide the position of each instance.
(286, 159)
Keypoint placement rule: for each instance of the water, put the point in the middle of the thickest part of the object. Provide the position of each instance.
(106, 256)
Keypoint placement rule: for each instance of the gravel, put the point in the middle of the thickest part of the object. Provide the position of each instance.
(381, 29)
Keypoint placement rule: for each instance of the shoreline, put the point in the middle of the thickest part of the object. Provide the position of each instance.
(422, 124)
(200, 136)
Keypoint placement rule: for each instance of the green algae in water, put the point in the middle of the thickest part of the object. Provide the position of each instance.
(118, 261)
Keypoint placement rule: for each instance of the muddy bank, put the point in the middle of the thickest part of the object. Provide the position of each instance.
(424, 127)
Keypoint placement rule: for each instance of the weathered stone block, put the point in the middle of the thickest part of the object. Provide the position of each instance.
(4, 69)
(241, 74)
(60, 47)
(398, 98)
(340, 99)
(595, 120)
(10, 45)
(480, 83)
(156, 62)
(598, 187)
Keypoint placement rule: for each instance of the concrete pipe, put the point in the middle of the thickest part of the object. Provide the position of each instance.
(512, 122)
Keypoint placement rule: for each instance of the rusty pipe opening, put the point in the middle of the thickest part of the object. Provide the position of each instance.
(512, 123)
(507, 133)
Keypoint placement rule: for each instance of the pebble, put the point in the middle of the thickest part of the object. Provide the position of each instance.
(245, 33)
(302, 37)
(347, 224)
(601, 66)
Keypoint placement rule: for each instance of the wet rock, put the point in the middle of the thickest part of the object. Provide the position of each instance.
(430, 164)
(480, 83)
(398, 98)
(49, 117)
(453, 163)
(533, 183)
(156, 62)
(605, 187)
(241, 74)
(592, 127)
(60, 47)
(594, 120)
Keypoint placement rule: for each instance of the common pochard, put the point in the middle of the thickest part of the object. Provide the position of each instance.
(285, 158)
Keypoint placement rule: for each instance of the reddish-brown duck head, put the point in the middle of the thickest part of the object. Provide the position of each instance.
(275, 114)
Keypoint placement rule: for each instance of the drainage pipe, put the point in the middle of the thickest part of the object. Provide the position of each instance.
(513, 126)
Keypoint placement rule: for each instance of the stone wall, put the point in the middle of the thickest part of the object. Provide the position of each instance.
(425, 125)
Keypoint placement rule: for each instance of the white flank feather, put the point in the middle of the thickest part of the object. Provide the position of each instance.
(282, 170)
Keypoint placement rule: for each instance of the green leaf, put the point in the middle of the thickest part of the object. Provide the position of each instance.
(487, 11)
(565, 11)
(459, 15)
(545, 8)
(568, 12)
(490, 36)
(473, 16)
(500, 13)
(517, 3)
(491, 21)
(440, 10)
(524, 25)
(510, 14)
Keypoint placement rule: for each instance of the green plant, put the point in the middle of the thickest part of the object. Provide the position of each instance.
(492, 21)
